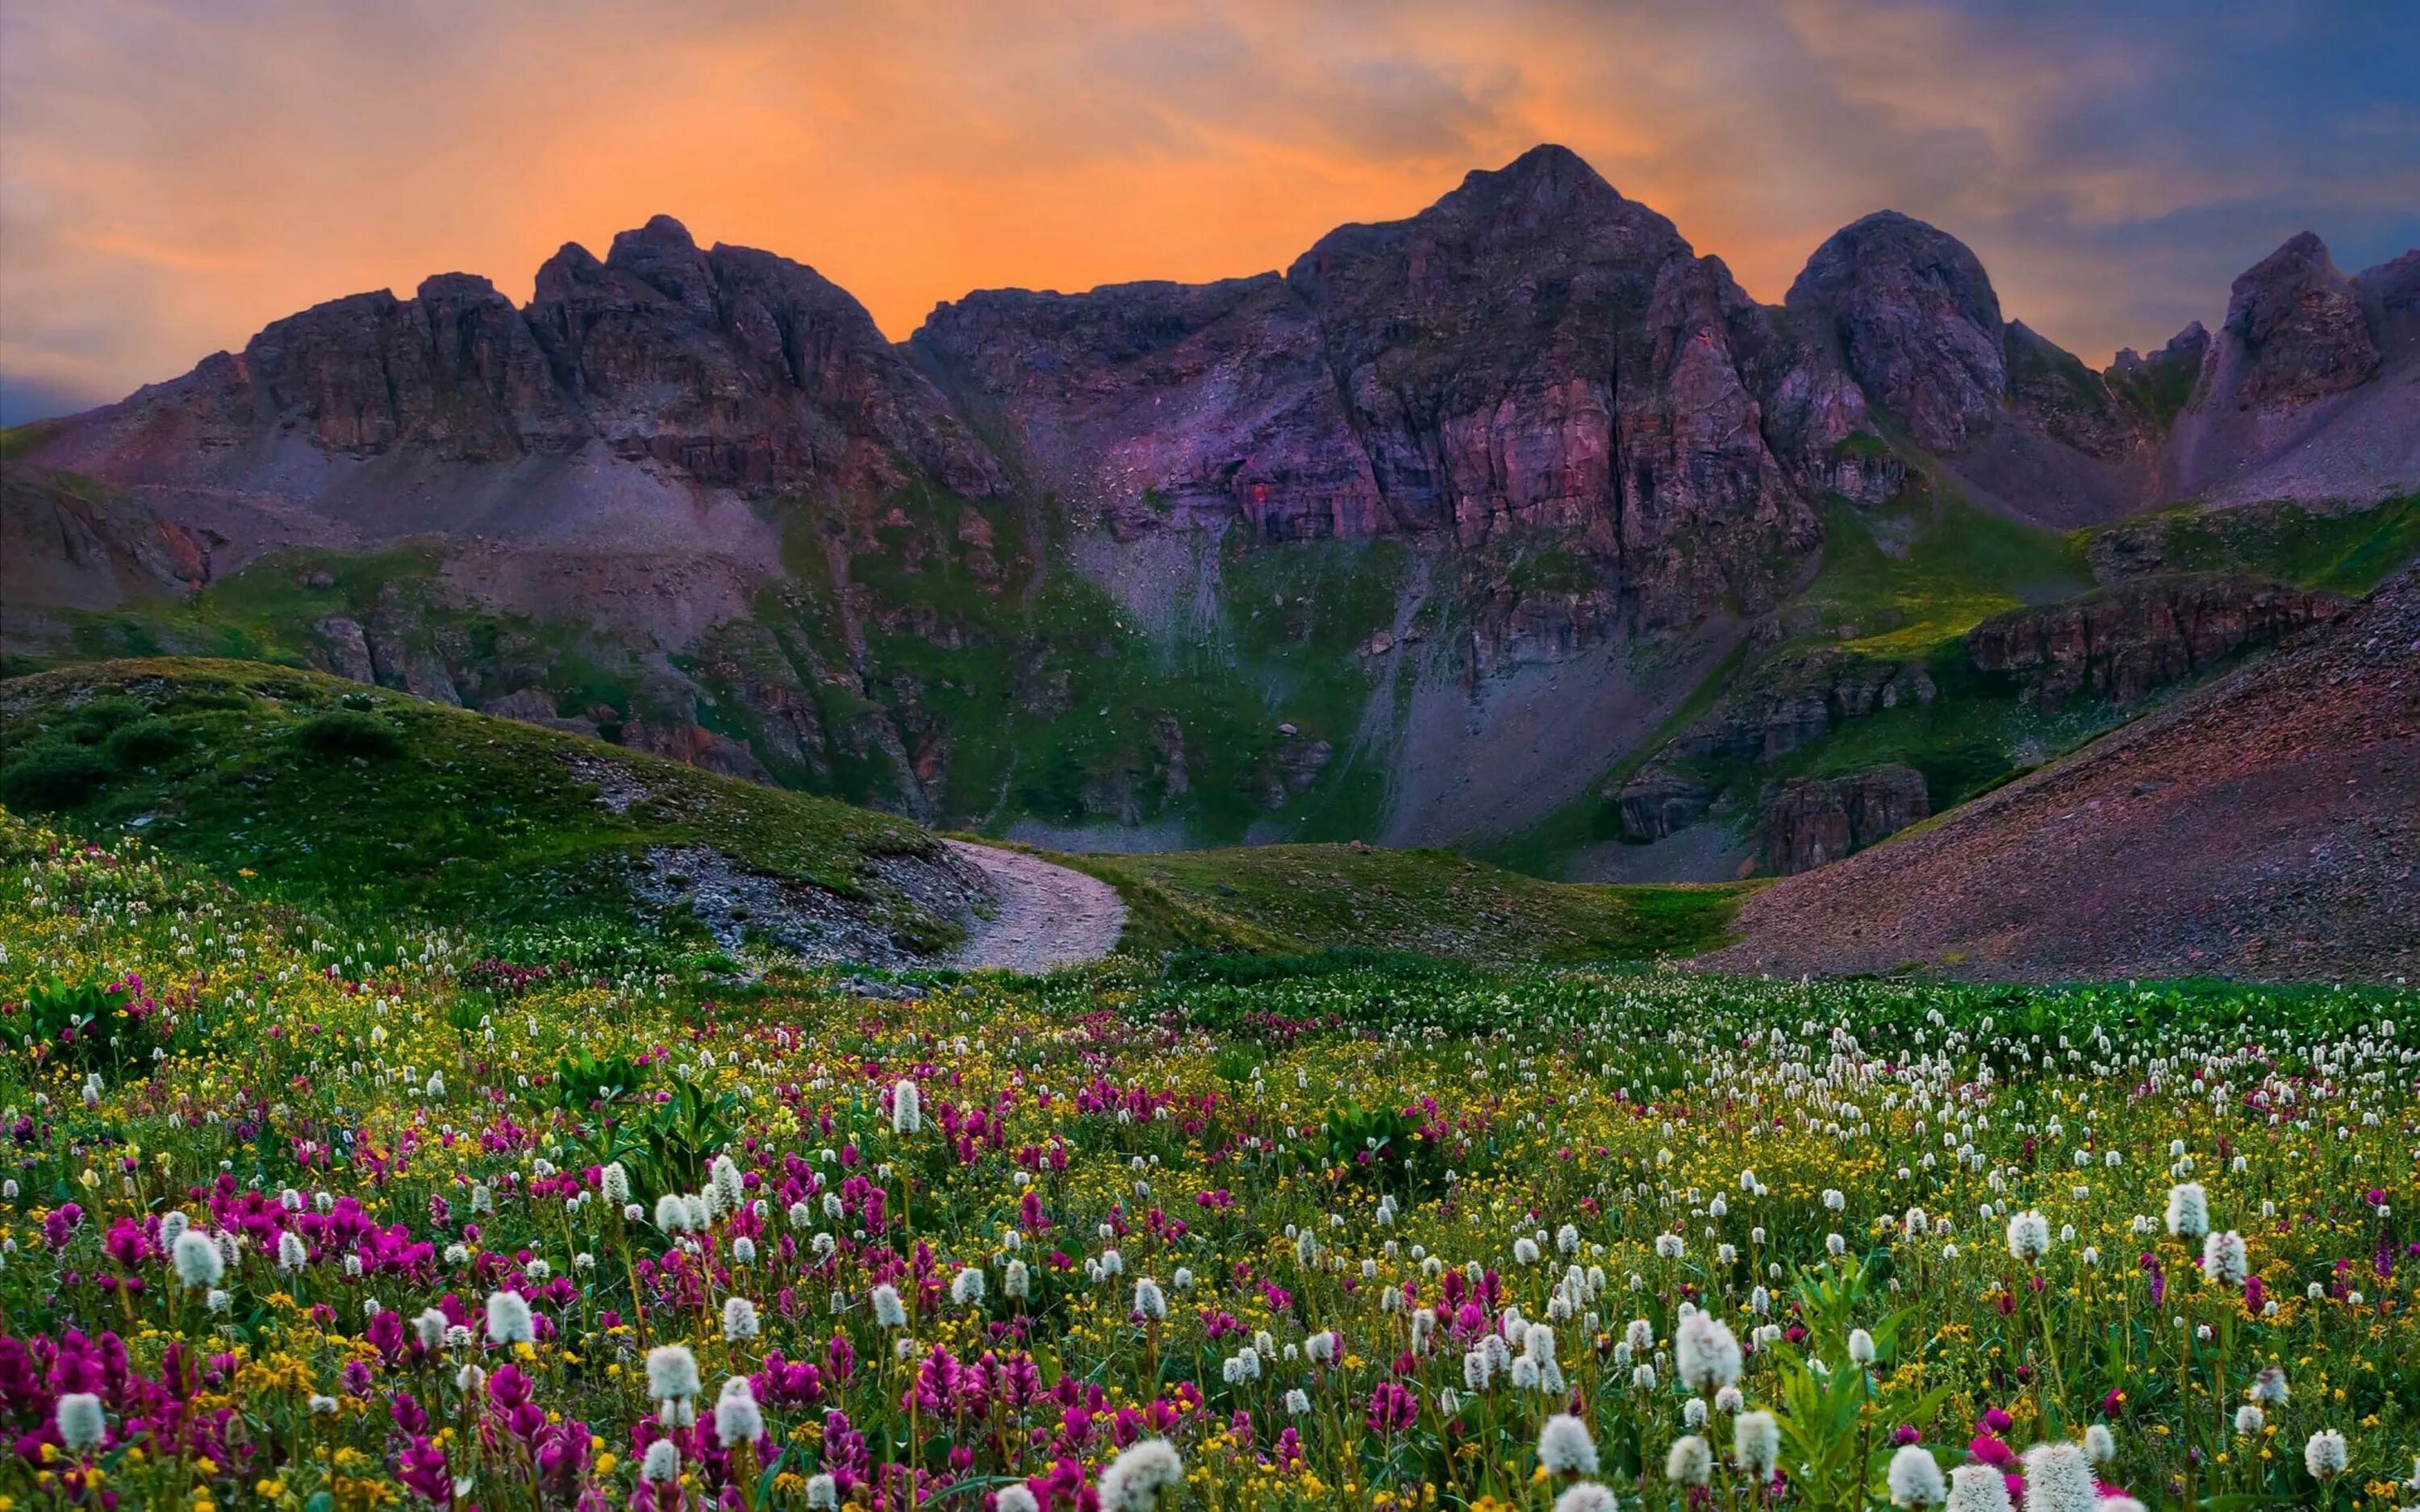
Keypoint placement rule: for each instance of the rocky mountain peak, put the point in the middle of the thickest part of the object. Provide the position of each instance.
(662, 255)
(1545, 181)
(2300, 324)
(1915, 322)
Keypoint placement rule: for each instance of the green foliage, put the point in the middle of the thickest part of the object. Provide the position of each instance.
(583, 1082)
(51, 774)
(350, 732)
(2341, 551)
(1908, 578)
(145, 742)
(1383, 1148)
(678, 1136)
(84, 1024)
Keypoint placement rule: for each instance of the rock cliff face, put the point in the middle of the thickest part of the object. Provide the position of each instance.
(2145, 634)
(1659, 803)
(1532, 362)
(1794, 701)
(1915, 322)
(1911, 313)
(1813, 820)
(733, 367)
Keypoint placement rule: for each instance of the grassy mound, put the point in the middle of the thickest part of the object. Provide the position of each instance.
(317, 791)
(1295, 899)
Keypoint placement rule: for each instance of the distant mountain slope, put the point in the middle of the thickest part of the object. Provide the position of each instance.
(2265, 827)
(1418, 539)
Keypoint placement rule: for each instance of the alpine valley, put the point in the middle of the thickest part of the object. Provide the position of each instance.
(1514, 526)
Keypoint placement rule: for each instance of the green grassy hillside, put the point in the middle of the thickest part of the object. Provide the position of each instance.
(1295, 899)
(308, 788)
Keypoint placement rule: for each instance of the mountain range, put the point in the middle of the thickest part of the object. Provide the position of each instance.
(1516, 524)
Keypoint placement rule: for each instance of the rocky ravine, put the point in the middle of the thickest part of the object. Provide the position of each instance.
(795, 546)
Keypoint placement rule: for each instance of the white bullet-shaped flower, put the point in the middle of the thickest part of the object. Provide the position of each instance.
(1565, 1446)
(508, 1318)
(1756, 1443)
(1138, 1476)
(738, 1419)
(198, 1260)
(81, 1423)
(1690, 1461)
(1916, 1479)
(672, 1372)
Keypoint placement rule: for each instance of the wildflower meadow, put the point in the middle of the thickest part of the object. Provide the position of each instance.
(314, 1212)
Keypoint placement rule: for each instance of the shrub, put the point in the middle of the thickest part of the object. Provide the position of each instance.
(76, 1024)
(350, 732)
(90, 723)
(53, 776)
(144, 743)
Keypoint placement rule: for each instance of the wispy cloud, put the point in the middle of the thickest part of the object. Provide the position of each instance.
(175, 173)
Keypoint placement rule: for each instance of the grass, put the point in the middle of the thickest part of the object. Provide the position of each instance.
(16, 441)
(1911, 576)
(1300, 898)
(2350, 552)
(314, 790)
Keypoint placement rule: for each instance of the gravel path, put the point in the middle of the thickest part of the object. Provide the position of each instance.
(1048, 917)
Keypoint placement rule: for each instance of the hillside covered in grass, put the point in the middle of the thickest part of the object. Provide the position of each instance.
(300, 786)
(1295, 899)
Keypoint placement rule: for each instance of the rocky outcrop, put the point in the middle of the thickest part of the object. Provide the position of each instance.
(2022, 424)
(2308, 391)
(2123, 643)
(694, 745)
(1164, 405)
(2299, 326)
(1534, 359)
(733, 368)
(2052, 391)
(1659, 802)
(67, 545)
(1812, 821)
(742, 369)
(2163, 383)
(1797, 700)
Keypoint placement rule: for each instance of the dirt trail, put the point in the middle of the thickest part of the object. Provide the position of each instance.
(1048, 917)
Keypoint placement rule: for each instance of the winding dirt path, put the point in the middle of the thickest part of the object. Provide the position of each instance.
(1048, 917)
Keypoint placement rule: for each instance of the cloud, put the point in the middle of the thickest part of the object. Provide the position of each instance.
(174, 174)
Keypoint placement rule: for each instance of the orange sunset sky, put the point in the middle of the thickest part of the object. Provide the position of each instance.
(174, 175)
